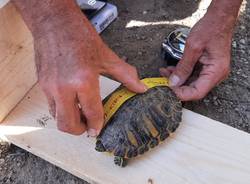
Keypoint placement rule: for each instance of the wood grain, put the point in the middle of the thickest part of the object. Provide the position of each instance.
(202, 151)
(17, 70)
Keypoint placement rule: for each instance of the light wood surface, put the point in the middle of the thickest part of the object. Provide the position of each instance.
(17, 70)
(202, 151)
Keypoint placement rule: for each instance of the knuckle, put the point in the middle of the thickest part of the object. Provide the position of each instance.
(200, 96)
(84, 86)
(94, 115)
(62, 126)
(52, 85)
(185, 68)
(194, 45)
(65, 127)
(86, 82)
(58, 88)
(132, 71)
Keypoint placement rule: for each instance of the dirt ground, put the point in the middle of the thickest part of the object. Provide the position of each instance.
(228, 103)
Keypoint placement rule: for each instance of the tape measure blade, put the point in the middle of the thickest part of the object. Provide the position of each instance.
(120, 96)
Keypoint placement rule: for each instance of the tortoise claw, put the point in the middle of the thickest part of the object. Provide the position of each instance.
(143, 149)
(154, 143)
(164, 135)
(99, 146)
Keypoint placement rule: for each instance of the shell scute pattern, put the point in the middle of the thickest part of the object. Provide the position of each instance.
(140, 124)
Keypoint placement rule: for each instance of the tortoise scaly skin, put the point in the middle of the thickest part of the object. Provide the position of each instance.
(140, 124)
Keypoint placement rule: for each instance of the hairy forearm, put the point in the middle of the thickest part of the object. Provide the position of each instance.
(226, 6)
(226, 11)
(43, 16)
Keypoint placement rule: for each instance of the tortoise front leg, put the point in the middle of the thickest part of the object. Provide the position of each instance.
(120, 161)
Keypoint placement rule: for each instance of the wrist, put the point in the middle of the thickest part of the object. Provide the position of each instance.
(46, 16)
(222, 15)
(224, 11)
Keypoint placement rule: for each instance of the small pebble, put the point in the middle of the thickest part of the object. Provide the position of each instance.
(220, 110)
(243, 41)
(234, 44)
(1, 161)
(206, 100)
(244, 76)
(124, 58)
(242, 51)
(242, 27)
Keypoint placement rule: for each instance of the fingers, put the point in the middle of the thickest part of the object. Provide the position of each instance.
(166, 72)
(127, 75)
(65, 109)
(91, 106)
(196, 90)
(185, 66)
(67, 114)
(210, 76)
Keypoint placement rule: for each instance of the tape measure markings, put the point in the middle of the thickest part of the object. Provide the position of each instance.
(122, 95)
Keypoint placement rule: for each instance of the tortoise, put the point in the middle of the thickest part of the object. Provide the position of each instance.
(140, 124)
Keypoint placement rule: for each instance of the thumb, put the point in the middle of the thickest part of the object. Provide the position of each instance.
(127, 75)
(185, 66)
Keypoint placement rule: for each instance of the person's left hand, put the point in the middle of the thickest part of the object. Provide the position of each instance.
(209, 43)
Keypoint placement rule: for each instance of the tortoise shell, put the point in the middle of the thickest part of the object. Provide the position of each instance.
(140, 124)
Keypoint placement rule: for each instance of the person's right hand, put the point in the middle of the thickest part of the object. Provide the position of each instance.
(69, 60)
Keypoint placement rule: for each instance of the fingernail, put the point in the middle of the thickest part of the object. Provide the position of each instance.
(145, 88)
(174, 80)
(92, 132)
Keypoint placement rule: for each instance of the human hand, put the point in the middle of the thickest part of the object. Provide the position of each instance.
(209, 44)
(69, 60)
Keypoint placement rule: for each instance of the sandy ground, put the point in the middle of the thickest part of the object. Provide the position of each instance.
(137, 34)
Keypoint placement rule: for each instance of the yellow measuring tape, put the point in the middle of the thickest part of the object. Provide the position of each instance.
(122, 95)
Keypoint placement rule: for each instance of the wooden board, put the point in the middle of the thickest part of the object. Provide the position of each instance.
(17, 70)
(202, 151)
